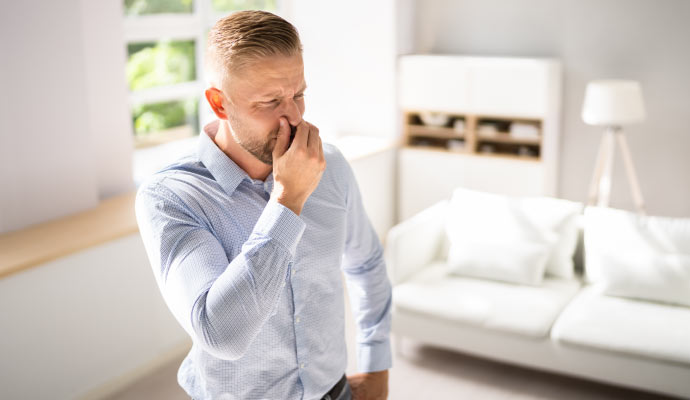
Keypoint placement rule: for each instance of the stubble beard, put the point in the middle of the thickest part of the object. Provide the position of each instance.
(262, 150)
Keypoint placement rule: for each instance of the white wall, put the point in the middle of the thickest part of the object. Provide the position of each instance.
(73, 325)
(108, 107)
(45, 146)
(374, 173)
(65, 138)
(350, 58)
(645, 40)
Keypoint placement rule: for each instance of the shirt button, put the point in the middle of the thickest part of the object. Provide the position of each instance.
(283, 284)
(293, 272)
(297, 320)
(301, 365)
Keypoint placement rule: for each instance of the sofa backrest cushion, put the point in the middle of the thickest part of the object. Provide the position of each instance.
(637, 256)
(480, 217)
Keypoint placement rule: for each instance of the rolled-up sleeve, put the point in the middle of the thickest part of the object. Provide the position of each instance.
(368, 285)
(221, 303)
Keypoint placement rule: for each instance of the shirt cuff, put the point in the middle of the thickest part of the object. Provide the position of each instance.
(281, 224)
(374, 357)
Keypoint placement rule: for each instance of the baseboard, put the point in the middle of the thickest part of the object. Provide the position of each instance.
(115, 385)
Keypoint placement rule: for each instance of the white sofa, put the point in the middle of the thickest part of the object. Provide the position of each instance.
(563, 325)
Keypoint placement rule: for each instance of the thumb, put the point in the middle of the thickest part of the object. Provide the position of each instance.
(283, 140)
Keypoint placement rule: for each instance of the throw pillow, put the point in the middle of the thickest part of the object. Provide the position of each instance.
(636, 256)
(515, 262)
(493, 218)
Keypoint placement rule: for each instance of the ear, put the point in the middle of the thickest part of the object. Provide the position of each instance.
(215, 100)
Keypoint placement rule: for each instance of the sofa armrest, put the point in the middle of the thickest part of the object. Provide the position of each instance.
(415, 242)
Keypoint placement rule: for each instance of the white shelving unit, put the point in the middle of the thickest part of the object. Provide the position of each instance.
(483, 92)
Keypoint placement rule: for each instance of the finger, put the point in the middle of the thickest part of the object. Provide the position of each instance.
(313, 138)
(283, 140)
(302, 135)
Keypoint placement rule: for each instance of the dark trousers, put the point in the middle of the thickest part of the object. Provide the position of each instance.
(345, 392)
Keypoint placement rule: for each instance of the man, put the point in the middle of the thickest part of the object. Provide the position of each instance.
(248, 239)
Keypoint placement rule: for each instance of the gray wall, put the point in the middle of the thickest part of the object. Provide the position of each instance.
(65, 130)
(645, 40)
(45, 164)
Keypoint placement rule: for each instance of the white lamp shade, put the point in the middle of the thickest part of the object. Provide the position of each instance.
(613, 103)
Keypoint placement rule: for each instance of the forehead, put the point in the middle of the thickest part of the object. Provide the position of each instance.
(269, 75)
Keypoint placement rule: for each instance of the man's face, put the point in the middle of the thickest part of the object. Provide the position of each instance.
(260, 93)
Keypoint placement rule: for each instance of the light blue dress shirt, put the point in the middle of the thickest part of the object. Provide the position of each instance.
(258, 288)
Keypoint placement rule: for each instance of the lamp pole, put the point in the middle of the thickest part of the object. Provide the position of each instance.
(600, 186)
(630, 171)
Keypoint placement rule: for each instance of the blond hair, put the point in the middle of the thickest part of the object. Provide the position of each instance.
(244, 37)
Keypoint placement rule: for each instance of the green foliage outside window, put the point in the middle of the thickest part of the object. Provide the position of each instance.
(144, 7)
(160, 116)
(158, 64)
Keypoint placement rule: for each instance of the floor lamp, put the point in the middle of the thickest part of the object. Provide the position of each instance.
(612, 104)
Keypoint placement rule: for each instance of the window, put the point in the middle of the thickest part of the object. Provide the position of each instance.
(165, 42)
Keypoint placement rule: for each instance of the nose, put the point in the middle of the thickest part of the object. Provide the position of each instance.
(292, 112)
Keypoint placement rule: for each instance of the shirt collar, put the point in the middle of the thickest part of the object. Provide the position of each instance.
(228, 174)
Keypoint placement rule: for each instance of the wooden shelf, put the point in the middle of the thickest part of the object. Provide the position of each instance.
(435, 131)
(474, 154)
(509, 156)
(502, 143)
(112, 219)
(505, 137)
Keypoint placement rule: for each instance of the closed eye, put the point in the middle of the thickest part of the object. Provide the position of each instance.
(275, 102)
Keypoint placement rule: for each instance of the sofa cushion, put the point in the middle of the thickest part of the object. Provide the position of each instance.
(638, 256)
(520, 262)
(524, 310)
(627, 326)
(482, 217)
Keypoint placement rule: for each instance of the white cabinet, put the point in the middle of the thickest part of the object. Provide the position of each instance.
(517, 90)
(429, 176)
(419, 90)
(498, 128)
